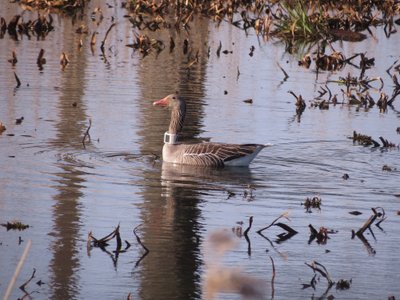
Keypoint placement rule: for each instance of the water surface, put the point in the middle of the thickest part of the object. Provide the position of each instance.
(64, 189)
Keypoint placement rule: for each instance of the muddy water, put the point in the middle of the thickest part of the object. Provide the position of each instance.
(64, 190)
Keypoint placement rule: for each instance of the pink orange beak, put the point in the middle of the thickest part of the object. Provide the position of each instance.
(162, 102)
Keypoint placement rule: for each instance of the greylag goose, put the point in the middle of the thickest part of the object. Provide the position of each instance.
(200, 154)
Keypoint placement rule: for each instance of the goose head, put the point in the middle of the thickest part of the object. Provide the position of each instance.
(171, 101)
(178, 111)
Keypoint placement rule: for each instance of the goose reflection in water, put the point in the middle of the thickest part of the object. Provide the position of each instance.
(216, 278)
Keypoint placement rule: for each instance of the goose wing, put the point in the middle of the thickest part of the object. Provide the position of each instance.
(217, 154)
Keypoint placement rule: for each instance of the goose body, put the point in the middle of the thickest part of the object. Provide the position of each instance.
(200, 154)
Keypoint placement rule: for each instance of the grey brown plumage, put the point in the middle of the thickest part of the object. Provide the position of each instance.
(201, 154)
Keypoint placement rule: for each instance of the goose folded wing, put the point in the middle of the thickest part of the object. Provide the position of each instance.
(215, 154)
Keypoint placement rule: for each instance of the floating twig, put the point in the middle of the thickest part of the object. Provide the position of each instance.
(18, 81)
(246, 232)
(388, 70)
(146, 250)
(300, 103)
(105, 37)
(272, 278)
(219, 49)
(246, 236)
(64, 60)
(2, 128)
(87, 134)
(103, 242)
(22, 287)
(324, 272)
(284, 215)
(14, 59)
(93, 39)
(367, 224)
(289, 231)
(40, 61)
(284, 72)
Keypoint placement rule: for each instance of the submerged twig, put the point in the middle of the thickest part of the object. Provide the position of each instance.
(87, 134)
(22, 287)
(367, 224)
(284, 72)
(284, 215)
(17, 79)
(246, 236)
(323, 271)
(245, 233)
(272, 278)
(146, 250)
(105, 37)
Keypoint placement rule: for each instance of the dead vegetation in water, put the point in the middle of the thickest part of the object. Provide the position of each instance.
(145, 45)
(377, 217)
(2, 128)
(355, 90)
(15, 225)
(60, 5)
(321, 271)
(310, 203)
(104, 242)
(366, 140)
(321, 235)
(288, 233)
(288, 21)
(16, 27)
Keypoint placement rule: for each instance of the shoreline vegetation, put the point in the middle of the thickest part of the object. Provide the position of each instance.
(289, 20)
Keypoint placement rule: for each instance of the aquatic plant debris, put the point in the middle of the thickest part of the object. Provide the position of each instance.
(2, 128)
(366, 140)
(146, 250)
(289, 21)
(321, 235)
(15, 225)
(343, 284)
(378, 214)
(64, 5)
(319, 268)
(314, 202)
(17, 27)
(289, 231)
(104, 242)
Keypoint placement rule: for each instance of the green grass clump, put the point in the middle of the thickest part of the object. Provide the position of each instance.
(299, 21)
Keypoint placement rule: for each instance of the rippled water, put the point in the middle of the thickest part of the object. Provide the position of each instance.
(63, 190)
